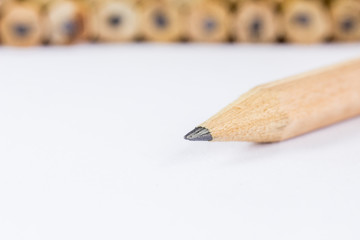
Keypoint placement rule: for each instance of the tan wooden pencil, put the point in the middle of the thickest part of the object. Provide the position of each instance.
(287, 108)
(161, 21)
(116, 20)
(346, 19)
(66, 22)
(21, 23)
(256, 21)
(208, 21)
(306, 21)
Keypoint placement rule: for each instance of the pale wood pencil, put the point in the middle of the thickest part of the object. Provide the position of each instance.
(66, 22)
(306, 21)
(161, 21)
(208, 21)
(21, 23)
(116, 20)
(346, 19)
(256, 21)
(287, 108)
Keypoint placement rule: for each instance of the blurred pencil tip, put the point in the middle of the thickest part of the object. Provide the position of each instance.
(199, 134)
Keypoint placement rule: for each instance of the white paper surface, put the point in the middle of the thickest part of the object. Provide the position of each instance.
(91, 147)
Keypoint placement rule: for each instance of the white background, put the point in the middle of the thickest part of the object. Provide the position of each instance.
(91, 147)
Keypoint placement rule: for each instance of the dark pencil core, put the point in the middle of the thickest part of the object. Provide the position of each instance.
(114, 21)
(21, 30)
(256, 28)
(160, 19)
(348, 25)
(199, 134)
(209, 24)
(302, 19)
(70, 28)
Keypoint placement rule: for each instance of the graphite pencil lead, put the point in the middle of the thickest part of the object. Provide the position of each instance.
(199, 134)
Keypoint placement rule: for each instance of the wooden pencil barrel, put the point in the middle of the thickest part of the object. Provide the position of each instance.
(21, 24)
(346, 19)
(287, 108)
(256, 21)
(306, 21)
(65, 22)
(161, 21)
(208, 21)
(116, 20)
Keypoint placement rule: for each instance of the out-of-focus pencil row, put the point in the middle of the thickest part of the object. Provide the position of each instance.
(34, 22)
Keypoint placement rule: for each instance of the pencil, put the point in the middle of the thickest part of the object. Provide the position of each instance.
(208, 21)
(116, 20)
(287, 108)
(346, 18)
(21, 24)
(306, 21)
(161, 21)
(256, 21)
(65, 22)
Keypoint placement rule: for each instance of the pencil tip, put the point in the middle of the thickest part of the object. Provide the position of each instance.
(199, 134)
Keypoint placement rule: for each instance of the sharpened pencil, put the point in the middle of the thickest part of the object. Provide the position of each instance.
(287, 108)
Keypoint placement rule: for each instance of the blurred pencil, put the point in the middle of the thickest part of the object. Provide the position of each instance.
(346, 19)
(287, 108)
(256, 21)
(208, 21)
(21, 24)
(116, 20)
(65, 22)
(161, 21)
(306, 21)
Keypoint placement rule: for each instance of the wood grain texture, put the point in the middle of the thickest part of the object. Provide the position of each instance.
(290, 107)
